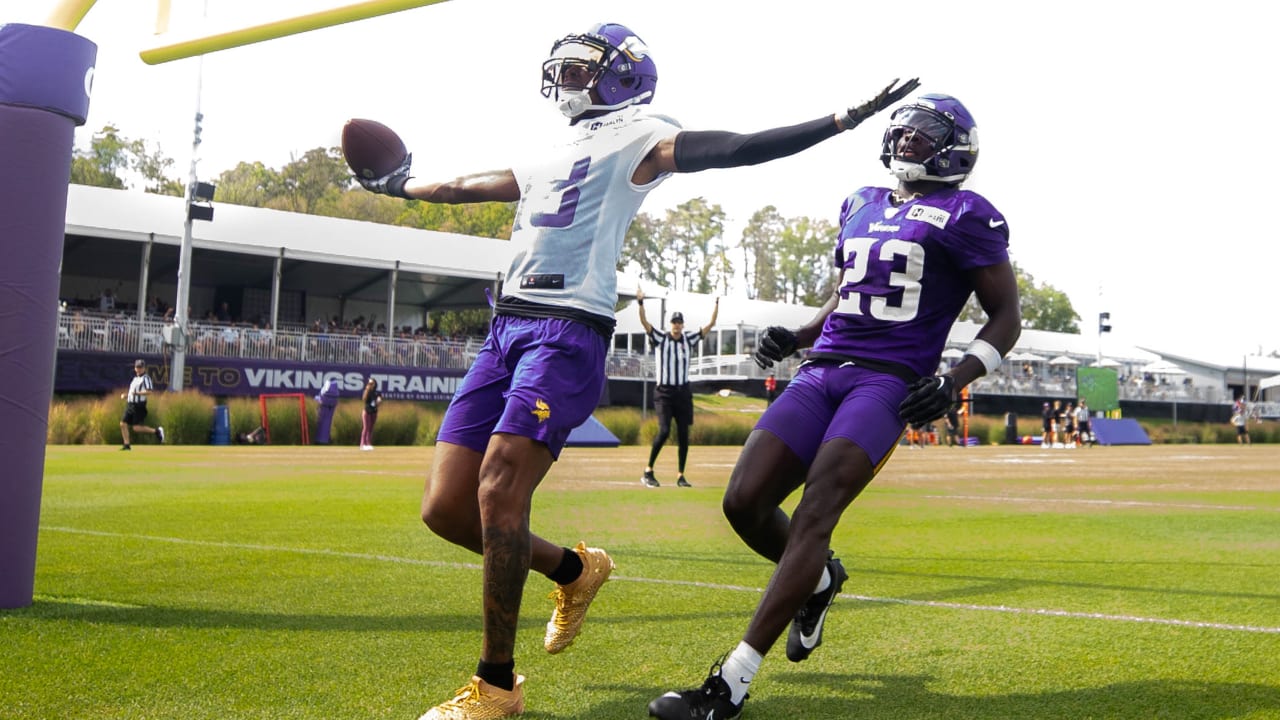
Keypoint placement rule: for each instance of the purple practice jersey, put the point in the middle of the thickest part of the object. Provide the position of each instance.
(905, 273)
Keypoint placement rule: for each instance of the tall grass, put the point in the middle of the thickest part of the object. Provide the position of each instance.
(188, 419)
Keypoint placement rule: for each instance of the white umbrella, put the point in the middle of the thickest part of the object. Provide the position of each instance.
(1107, 362)
(953, 353)
(1163, 367)
(1032, 357)
(1063, 360)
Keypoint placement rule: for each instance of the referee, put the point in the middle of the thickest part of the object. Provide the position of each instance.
(674, 398)
(135, 411)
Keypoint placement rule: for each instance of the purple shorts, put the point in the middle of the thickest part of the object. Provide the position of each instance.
(535, 377)
(827, 401)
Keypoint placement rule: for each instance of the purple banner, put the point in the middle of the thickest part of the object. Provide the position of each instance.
(99, 372)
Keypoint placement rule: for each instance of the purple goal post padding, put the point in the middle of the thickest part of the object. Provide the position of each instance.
(45, 78)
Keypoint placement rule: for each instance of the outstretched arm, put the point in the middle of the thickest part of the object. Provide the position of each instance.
(644, 321)
(712, 323)
(693, 151)
(492, 186)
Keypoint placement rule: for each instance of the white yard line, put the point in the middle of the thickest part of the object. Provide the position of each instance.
(656, 581)
(1104, 502)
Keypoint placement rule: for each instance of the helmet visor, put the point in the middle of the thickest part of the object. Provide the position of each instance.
(574, 64)
(933, 125)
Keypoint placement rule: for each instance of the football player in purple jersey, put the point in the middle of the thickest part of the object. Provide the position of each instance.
(909, 258)
(541, 370)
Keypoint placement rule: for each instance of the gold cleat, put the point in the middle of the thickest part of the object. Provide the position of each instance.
(572, 600)
(478, 700)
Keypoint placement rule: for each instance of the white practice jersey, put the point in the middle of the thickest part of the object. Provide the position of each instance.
(575, 210)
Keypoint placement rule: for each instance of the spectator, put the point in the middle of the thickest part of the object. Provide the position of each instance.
(1240, 419)
(328, 399)
(1047, 417)
(953, 427)
(770, 388)
(371, 399)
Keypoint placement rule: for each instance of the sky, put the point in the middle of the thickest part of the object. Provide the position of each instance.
(1114, 136)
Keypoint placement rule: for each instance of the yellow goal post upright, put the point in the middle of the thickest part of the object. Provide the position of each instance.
(67, 15)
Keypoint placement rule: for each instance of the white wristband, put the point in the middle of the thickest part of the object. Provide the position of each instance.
(986, 353)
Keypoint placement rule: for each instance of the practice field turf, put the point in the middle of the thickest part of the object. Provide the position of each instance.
(199, 583)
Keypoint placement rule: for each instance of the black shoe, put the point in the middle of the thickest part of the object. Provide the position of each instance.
(681, 482)
(126, 447)
(806, 629)
(648, 479)
(709, 702)
(160, 434)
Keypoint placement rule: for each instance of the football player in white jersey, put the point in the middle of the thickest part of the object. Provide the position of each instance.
(541, 370)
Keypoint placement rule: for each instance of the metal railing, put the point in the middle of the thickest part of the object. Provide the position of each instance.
(128, 335)
(121, 334)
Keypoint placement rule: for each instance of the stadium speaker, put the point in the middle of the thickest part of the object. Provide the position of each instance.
(200, 212)
(1011, 428)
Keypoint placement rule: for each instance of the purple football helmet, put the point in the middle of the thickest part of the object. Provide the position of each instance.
(608, 58)
(949, 129)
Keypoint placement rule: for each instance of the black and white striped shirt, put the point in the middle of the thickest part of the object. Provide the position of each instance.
(673, 355)
(139, 382)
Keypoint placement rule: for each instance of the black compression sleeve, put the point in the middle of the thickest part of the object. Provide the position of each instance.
(704, 149)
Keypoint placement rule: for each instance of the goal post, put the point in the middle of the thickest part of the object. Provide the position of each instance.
(206, 41)
(302, 413)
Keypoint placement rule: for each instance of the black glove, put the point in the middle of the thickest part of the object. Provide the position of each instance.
(775, 343)
(392, 183)
(928, 399)
(887, 97)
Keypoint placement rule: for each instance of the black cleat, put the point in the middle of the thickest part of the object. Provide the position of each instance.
(126, 447)
(160, 434)
(648, 479)
(806, 629)
(709, 702)
(681, 482)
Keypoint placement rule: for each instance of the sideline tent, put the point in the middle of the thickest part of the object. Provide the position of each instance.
(1162, 367)
(1269, 382)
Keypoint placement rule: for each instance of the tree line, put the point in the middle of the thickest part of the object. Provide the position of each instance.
(780, 259)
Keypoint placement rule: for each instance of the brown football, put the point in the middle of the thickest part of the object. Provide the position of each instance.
(371, 148)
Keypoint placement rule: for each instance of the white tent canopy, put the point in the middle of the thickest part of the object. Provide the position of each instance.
(1063, 360)
(1269, 382)
(1107, 362)
(1163, 367)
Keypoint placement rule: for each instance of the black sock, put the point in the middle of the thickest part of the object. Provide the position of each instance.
(501, 675)
(570, 568)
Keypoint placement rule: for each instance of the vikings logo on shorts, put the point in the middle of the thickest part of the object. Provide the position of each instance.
(541, 409)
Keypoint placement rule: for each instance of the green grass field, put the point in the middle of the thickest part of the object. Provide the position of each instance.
(259, 582)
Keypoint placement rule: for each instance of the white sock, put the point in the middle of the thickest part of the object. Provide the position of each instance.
(824, 582)
(738, 670)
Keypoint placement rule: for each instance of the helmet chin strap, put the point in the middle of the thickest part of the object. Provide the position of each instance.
(573, 103)
(906, 171)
